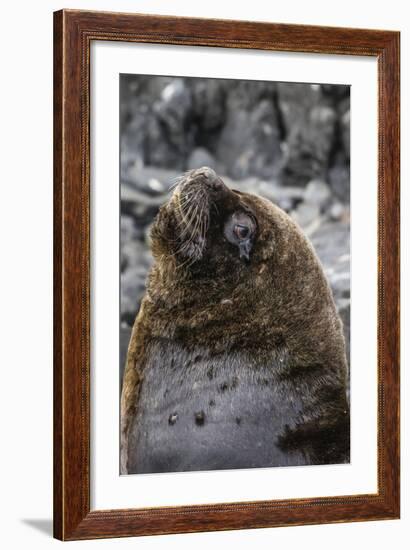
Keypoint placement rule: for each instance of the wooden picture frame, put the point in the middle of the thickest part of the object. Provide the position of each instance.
(73, 33)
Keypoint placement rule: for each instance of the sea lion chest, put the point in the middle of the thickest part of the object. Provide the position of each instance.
(197, 412)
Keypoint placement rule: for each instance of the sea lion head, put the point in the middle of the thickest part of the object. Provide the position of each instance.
(207, 225)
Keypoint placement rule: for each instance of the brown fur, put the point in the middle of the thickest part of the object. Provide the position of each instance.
(279, 300)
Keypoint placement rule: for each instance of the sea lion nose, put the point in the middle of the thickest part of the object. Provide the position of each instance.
(207, 172)
(212, 180)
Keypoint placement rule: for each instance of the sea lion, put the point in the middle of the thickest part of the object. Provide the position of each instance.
(237, 355)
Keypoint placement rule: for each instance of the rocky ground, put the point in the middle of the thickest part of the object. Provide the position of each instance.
(286, 142)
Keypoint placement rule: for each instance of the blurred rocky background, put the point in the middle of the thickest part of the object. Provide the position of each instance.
(287, 142)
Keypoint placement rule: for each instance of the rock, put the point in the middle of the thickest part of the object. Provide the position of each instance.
(338, 212)
(208, 98)
(310, 126)
(286, 198)
(172, 111)
(130, 235)
(200, 157)
(345, 128)
(132, 143)
(159, 149)
(246, 94)
(249, 143)
(132, 291)
(332, 244)
(339, 179)
(248, 128)
(129, 231)
(317, 192)
(145, 191)
(296, 102)
(157, 133)
(336, 94)
(141, 136)
(339, 279)
(151, 180)
(140, 206)
(135, 253)
(305, 214)
(308, 147)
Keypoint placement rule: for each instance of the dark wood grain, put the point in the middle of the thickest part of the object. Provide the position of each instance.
(73, 32)
(58, 282)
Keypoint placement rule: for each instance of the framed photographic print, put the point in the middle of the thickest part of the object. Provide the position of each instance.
(226, 275)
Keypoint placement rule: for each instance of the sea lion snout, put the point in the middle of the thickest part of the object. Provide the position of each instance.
(206, 172)
(190, 207)
(211, 179)
(205, 177)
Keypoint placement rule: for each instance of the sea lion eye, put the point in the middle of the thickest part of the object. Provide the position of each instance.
(239, 227)
(241, 231)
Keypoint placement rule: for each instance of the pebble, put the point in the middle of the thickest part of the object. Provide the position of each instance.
(172, 418)
(200, 418)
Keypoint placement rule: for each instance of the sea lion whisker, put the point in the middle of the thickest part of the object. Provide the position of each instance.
(189, 222)
(185, 207)
(201, 229)
(196, 200)
(187, 244)
(176, 181)
(204, 224)
(184, 263)
(181, 177)
(186, 198)
(189, 198)
(174, 185)
(184, 193)
(198, 221)
(193, 225)
(186, 215)
(186, 226)
(184, 246)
